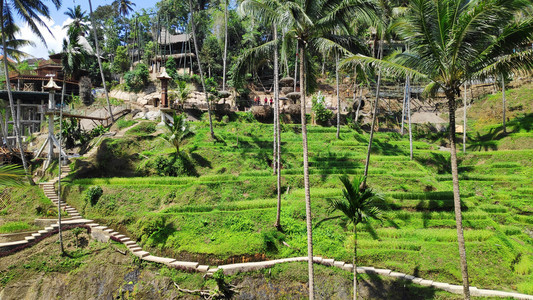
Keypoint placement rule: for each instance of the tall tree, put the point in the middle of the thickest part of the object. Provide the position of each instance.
(100, 62)
(193, 29)
(224, 58)
(124, 7)
(452, 41)
(72, 57)
(311, 23)
(356, 205)
(31, 13)
(79, 19)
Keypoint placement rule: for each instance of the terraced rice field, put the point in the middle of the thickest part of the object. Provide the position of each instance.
(229, 209)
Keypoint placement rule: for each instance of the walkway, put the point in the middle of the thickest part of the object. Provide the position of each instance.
(104, 234)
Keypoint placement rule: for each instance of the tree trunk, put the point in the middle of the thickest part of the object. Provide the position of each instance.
(464, 119)
(306, 176)
(403, 105)
(59, 167)
(456, 195)
(374, 117)
(16, 128)
(338, 96)
(296, 66)
(276, 159)
(100, 62)
(360, 99)
(225, 44)
(355, 262)
(200, 70)
(4, 131)
(503, 103)
(409, 117)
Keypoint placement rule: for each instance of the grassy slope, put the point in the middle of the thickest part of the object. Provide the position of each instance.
(24, 204)
(228, 211)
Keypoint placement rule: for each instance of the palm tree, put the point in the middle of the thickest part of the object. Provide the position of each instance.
(356, 205)
(79, 19)
(200, 69)
(30, 12)
(450, 42)
(73, 56)
(267, 13)
(224, 58)
(182, 92)
(124, 7)
(100, 62)
(11, 174)
(179, 130)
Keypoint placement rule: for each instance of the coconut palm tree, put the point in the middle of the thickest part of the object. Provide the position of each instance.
(312, 24)
(356, 205)
(124, 7)
(93, 25)
(31, 13)
(268, 15)
(79, 19)
(224, 58)
(11, 174)
(193, 29)
(450, 42)
(179, 130)
(73, 56)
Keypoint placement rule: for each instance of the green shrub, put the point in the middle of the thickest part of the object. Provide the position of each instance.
(93, 194)
(137, 79)
(124, 123)
(322, 114)
(144, 128)
(14, 227)
(175, 165)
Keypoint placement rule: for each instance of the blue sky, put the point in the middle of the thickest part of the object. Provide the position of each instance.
(58, 20)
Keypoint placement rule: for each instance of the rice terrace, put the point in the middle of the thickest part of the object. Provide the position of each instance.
(265, 149)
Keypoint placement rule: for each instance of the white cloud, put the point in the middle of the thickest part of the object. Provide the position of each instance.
(53, 42)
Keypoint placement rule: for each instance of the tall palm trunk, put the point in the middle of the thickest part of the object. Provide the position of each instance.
(338, 96)
(306, 176)
(409, 118)
(59, 167)
(277, 134)
(503, 103)
(100, 62)
(374, 117)
(403, 106)
(464, 119)
(296, 66)
(11, 102)
(225, 44)
(200, 70)
(4, 130)
(355, 261)
(456, 195)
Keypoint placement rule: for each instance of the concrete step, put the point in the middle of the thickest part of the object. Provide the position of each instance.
(141, 254)
(136, 249)
(36, 234)
(128, 243)
(124, 239)
(49, 228)
(108, 230)
(42, 231)
(120, 236)
(93, 224)
(76, 217)
(100, 227)
(30, 238)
